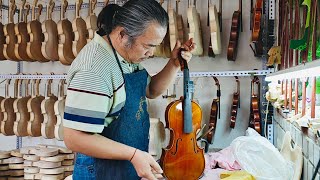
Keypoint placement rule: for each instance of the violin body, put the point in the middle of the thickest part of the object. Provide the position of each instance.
(91, 22)
(213, 120)
(8, 116)
(2, 42)
(23, 116)
(59, 107)
(36, 39)
(23, 39)
(66, 36)
(1, 113)
(49, 47)
(81, 35)
(255, 114)
(256, 20)
(183, 158)
(11, 40)
(50, 119)
(234, 36)
(36, 116)
(234, 109)
(214, 30)
(195, 30)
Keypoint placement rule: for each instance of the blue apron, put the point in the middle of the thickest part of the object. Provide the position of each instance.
(130, 128)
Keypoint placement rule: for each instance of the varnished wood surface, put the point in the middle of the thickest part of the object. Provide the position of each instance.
(182, 159)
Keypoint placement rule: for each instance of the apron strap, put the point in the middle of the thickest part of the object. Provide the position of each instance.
(116, 56)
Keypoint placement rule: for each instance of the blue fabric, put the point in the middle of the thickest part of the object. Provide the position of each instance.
(84, 119)
(130, 128)
(84, 168)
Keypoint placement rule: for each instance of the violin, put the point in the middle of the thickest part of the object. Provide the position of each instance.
(59, 107)
(20, 106)
(214, 24)
(80, 30)
(180, 25)
(36, 35)
(2, 37)
(91, 20)
(9, 33)
(49, 47)
(34, 108)
(66, 36)
(255, 116)
(257, 13)
(236, 26)
(195, 31)
(215, 112)
(173, 26)
(7, 109)
(47, 109)
(183, 158)
(21, 31)
(235, 104)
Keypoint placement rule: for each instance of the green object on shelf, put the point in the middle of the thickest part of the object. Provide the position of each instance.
(318, 85)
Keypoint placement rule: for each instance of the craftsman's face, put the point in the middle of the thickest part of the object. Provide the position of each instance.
(143, 46)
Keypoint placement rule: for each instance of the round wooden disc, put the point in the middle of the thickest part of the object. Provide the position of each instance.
(31, 170)
(16, 178)
(4, 154)
(57, 158)
(68, 168)
(52, 177)
(52, 171)
(16, 173)
(31, 157)
(4, 167)
(67, 162)
(16, 166)
(13, 160)
(62, 150)
(47, 164)
(16, 153)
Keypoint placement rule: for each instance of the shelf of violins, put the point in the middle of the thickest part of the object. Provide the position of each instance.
(296, 58)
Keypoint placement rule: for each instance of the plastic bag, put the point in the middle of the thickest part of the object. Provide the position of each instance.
(260, 158)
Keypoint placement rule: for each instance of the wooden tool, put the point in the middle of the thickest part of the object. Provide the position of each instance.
(80, 30)
(183, 123)
(91, 20)
(11, 38)
(195, 28)
(214, 24)
(66, 37)
(215, 112)
(34, 108)
(21, 32)
(235, 104)
(9, 116)
(59, 107)
(236, 27)
(47, 109)
(49, 47)
(2, 37)
(36, 35)
(21, 110)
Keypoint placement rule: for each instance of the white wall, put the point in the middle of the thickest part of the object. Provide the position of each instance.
(204, 87)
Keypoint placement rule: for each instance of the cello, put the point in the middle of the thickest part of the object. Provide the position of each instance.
(183, 158)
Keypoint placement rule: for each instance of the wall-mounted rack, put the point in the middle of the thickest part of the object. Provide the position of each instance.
(192, 74)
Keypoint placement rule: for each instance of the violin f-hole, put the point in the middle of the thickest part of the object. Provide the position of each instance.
(176, 150)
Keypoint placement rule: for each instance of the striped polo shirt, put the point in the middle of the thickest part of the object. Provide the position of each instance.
(96, 90)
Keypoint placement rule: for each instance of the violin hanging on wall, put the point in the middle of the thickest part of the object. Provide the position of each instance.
(183, 158)
(2, 37)
(9, 33)
(215, 112)
(235, 104)
(236, 28)
(255, 116)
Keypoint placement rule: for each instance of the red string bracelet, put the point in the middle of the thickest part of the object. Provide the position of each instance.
(133, 154)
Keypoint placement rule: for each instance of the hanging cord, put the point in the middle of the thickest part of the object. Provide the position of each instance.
(2, 81)
(316, 171)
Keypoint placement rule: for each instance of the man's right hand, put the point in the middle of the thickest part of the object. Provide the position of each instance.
(145, 165)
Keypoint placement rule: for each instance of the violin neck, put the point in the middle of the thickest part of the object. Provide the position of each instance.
(187, 110)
